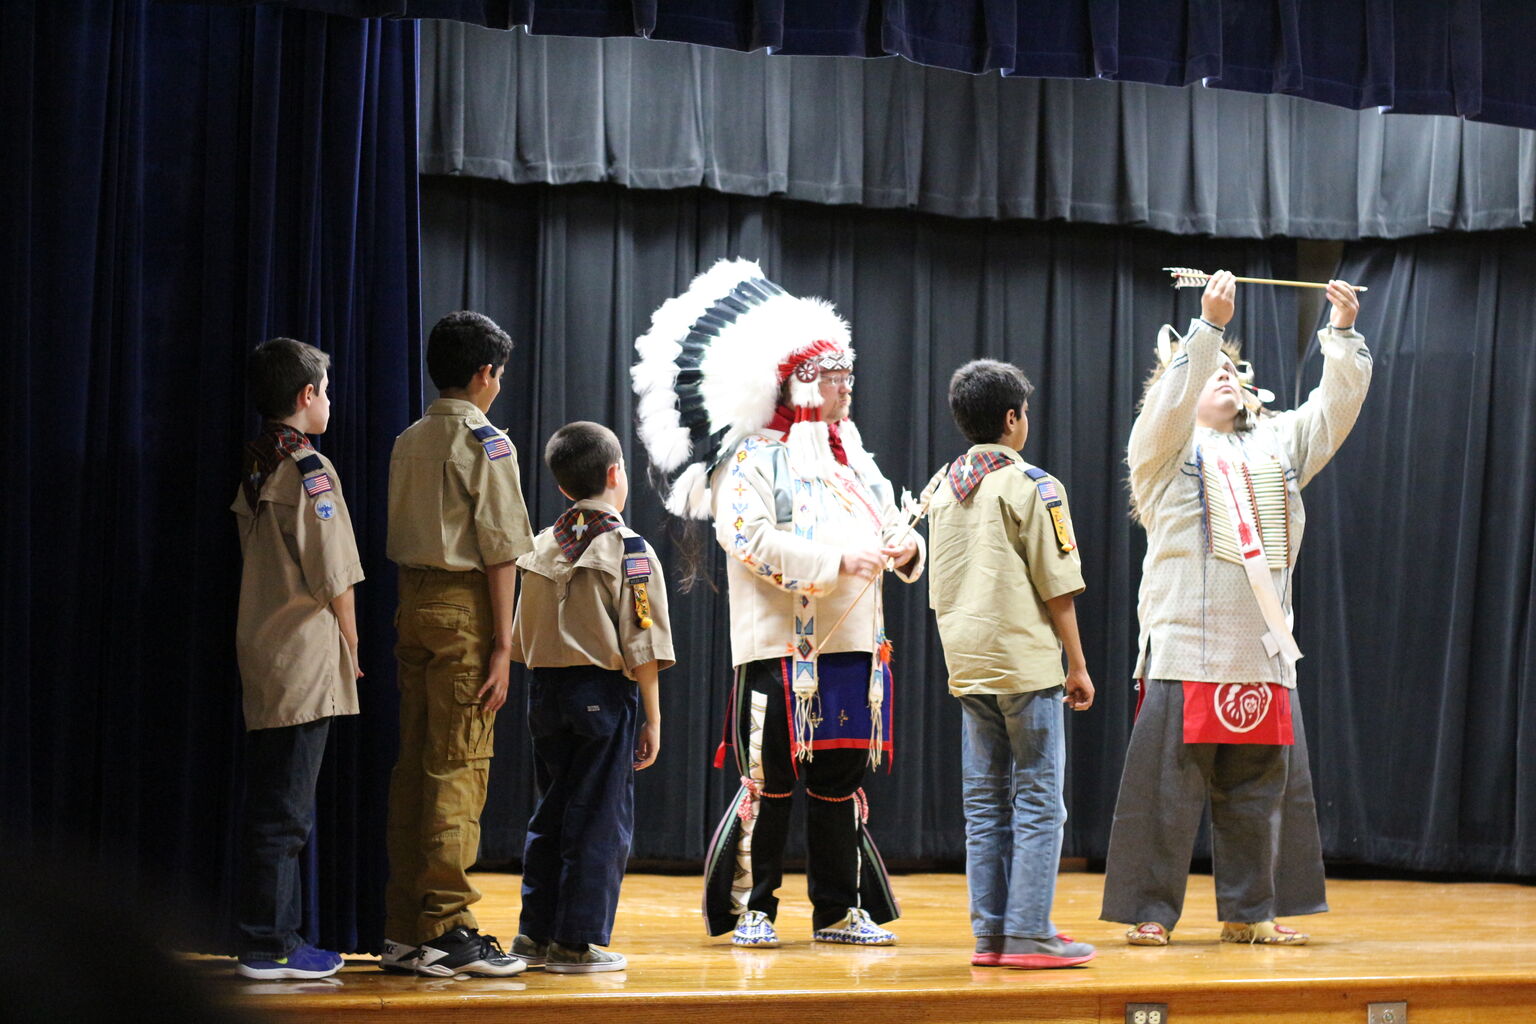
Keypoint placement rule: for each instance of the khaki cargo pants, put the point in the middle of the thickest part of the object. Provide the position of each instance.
(437, 789)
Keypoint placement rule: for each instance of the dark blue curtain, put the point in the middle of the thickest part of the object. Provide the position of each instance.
(1416, 56)
(181, 183)
(1417, 597)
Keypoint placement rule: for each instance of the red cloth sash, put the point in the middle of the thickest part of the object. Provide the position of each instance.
(1237, 713)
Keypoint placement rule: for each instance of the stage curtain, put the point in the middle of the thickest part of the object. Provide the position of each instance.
(575, 272)
(1416, 600)
(1422, 57)
(181, 183)
(888, 133)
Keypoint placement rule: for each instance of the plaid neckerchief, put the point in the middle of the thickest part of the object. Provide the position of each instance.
(967, 471)
(276, 442)
(577, 527)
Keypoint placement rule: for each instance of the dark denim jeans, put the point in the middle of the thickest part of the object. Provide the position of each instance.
(281, 766)
(583, 722)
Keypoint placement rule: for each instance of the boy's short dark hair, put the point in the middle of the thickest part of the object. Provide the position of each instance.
(460, 344)
(980, 394)
(579, 455)
(277, 370)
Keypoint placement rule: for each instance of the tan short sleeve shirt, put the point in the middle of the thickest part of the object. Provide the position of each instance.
(994, 560)
(299, 555)
(583, 613)
(455, 499)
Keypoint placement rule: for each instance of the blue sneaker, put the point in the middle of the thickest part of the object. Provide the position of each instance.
(304, 962)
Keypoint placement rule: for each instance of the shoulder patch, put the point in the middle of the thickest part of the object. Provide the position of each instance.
(493, 441)
(317, 482)
(637, 563)
(637, 573)
(1051, 498)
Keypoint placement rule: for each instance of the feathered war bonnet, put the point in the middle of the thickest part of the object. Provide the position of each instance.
(710, 370)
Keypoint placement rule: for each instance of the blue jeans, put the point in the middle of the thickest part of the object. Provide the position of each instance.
(1013, 751)
(281, 768)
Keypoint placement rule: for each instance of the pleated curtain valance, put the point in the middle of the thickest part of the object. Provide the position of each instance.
(887, 133)
(1456, 57)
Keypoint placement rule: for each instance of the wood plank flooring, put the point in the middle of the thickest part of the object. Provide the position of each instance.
(1457, 953)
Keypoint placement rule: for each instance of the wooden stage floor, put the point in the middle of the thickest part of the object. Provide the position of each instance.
(1456, 953)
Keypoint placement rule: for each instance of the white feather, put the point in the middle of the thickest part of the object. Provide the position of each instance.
(689, 496)
(654, 374)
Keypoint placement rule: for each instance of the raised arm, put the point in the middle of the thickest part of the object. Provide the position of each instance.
(1315, 430)
(1165, 427)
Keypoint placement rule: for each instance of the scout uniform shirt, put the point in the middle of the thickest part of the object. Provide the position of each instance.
(583, 612)
(300, 555)
(454, 498)
(997, 557)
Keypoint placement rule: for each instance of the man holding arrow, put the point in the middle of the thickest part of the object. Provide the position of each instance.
(1216, 481)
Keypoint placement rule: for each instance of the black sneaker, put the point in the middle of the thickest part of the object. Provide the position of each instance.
(399, 957)
(465, 951)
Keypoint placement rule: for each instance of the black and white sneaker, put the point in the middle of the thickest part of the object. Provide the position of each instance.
(465, 951)
(399, 957)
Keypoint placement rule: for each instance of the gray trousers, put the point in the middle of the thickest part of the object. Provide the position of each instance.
(1265, 850)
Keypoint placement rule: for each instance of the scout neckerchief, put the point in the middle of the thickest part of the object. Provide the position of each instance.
(1251, 546)
(578, 527)
(276, 442)
(967, 472)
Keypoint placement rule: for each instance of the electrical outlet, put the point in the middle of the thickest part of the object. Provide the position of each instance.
(1146, 1013)
(1386, 1013)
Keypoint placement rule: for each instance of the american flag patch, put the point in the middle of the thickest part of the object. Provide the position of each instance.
(1047, 490)
(317, 484)
(637, 567)
(497, 447)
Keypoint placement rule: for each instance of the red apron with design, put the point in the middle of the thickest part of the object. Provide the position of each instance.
(1237, 713)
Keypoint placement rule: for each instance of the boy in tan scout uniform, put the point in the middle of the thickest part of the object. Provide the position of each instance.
(296, 645)
(1004, 574)
(456, 524)
(592, 625)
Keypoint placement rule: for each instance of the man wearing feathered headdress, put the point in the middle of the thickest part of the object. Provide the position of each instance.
(1216, 481)
(744, 395)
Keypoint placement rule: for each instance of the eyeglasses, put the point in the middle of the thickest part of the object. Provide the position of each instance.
(837, 380)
